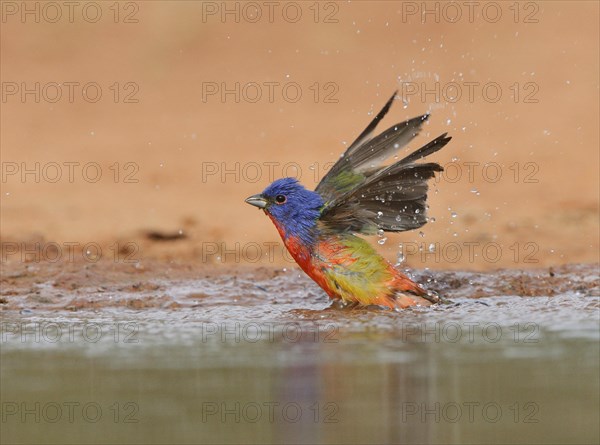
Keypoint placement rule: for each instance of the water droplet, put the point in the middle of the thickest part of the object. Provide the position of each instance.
(400, 258)
(421, 234)
(453, 214)
(431, 248)
(382, 240)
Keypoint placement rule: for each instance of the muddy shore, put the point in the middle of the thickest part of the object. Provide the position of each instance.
(171, 285)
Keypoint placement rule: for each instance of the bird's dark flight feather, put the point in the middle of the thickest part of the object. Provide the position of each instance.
(367, 154)
(361, 195)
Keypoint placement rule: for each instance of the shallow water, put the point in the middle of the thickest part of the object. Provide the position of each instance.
(269, 360)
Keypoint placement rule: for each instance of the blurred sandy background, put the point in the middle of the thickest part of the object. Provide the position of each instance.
(542, 131)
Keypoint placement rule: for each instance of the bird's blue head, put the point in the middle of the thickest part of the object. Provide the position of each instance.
(293, 208)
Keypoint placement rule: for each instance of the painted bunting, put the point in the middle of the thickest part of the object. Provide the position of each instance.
(358, 196)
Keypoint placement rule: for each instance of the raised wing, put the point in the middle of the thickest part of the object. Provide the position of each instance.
(367, 154)
(393, 199)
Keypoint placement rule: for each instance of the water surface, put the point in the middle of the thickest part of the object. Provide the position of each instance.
(273, 363)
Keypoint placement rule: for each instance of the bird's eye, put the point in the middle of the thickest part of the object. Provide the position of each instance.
(280, 199)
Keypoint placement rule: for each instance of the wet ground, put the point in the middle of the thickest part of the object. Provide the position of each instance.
(161, 352)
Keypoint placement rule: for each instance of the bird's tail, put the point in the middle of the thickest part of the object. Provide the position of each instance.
(407, 293)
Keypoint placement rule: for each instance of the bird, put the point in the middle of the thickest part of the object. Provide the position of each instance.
(360, 195)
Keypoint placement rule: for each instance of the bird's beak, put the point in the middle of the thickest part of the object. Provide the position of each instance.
(257, 201)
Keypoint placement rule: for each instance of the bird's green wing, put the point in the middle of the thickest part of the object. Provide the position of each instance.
(366, 155)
